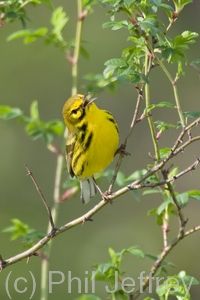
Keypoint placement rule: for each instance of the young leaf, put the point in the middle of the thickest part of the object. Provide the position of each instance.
(34, 113)
(194, 194)
(18, 229)
(88, 297)
(182, 199)
(58, 19)
(163, 263)
(164, 205)
(192, 114)
(30, 35)
(132, 250)
(116, 62)
(164, 152)
(48, 4)
(152, 191)
(7, 112)
(150, 25)
(136, 175)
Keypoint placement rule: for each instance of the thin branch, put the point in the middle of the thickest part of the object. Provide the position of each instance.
(158, 262)
(139, 183)
(172, 193)
(165, 230)
(168, 180)
(93, 211)
(133, 122)
(183, 146)
(192, 230)
(148, 62)
(77, 48)
(42, 197)
(175, 90)
(55, 212)
(180, 236)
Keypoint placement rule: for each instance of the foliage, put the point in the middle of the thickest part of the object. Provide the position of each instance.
(35, 127)
(29, 235)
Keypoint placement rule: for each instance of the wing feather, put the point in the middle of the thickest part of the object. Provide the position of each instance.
(69, 154)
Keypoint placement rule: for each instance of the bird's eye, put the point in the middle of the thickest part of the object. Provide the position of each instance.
(74, 111)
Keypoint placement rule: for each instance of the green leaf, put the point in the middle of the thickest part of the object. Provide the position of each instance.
(175, 49)
(112, 254)
(168, 9)
(197, 61)
(160, 104)
(34, 113)
(48, 4)
(156, 257)
(116, 62)
(129, 2)
(84, 53)
(133, 76)
(7, 112)
(163, 126)
(189, 280)
(120, 180)
(164, 205)
(136, 175)
(152, 212)
(150, 25)
(179, 4)
(104, 268)
(58, 20)
(108, 72)
(132, 250)
(136, 195)
(108, 24)
(29, 35)
(194, 194)
(164, 152)
(122, 24)
(152, 191)
(47, 131)
(161, 289)
(173, 172)
(182, 199)
(88, 297)
(18, 229)
(192, 114)
(156, 3)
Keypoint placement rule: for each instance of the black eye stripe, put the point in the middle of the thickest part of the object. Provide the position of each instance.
(82, 115)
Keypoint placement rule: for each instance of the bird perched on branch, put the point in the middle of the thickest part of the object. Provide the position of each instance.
(91, 143)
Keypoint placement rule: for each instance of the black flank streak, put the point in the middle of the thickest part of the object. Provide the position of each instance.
(81, 170)
(83, 127)
(111, 119)
(88, 142)
(114, 122)
(83, 130)
(82, 136)
(76, 160)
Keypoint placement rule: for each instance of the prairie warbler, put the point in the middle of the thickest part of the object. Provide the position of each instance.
(92, 141)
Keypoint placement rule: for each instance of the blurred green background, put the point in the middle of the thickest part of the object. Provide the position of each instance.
(43, 73)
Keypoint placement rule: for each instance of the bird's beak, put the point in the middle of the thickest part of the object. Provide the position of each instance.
(87, 101)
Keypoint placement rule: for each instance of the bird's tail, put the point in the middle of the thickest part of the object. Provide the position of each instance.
(88, 190)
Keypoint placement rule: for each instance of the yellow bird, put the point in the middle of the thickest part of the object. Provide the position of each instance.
(92, 141)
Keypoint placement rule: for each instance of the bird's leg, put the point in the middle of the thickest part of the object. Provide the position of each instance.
(104, 196)
(122, 150)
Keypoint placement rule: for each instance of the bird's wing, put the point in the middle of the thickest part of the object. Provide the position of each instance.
(69, 154)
